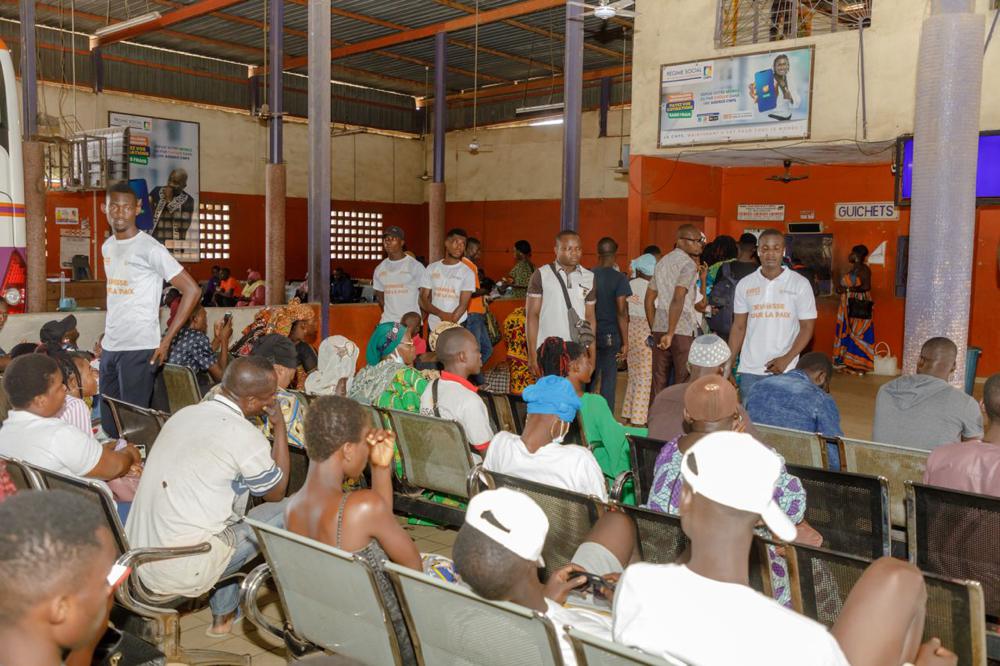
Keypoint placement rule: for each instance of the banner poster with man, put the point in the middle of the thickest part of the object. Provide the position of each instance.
(753, 97)
(164, 174)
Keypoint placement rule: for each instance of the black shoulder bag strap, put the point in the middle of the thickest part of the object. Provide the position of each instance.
(434, 397)
(565, 291)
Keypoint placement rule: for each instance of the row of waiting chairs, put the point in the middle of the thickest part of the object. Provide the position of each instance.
(151, 616)
(345, 613)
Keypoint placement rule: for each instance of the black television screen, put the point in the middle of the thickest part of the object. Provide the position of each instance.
(987, 171)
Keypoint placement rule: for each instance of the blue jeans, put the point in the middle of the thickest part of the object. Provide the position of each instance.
(226, 598)
(476, 324)
(746, 383)
(606, 366)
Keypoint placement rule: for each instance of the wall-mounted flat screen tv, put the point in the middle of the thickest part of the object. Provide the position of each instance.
(987, 171)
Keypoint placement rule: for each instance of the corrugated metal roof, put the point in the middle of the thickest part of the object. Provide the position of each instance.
(527, 46)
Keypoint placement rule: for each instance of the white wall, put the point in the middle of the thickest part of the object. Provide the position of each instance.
(526, 162)
(670, 31)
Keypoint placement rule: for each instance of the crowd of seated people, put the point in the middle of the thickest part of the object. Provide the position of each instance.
(712, 471)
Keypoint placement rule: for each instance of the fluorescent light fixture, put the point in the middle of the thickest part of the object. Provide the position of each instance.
(143, 19)
(541, 110)
(547, 121)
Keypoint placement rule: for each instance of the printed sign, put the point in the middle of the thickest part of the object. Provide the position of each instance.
(865, 210)
(165, 175)
(67, 216)
(753, 97)
(761, 212)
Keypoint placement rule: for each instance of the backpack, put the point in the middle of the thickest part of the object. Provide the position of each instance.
(721, 299)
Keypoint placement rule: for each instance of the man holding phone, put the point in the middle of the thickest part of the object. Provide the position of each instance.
(193, 349)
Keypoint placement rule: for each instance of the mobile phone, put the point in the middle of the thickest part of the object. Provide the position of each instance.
(767, 98)
(596, 584)
(227, 318)
(142, 450)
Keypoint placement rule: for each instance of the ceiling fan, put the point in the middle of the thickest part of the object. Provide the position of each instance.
(606, 9)
(787, 177)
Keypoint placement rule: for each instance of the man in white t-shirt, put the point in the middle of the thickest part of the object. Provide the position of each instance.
(206, 461)
(447, 285)
(136, 266)
(453, 396)
(546, 311)
(775, 315)
(499, 548)
(33, 433)
(397, 279)
(538, 454)
(674, 609)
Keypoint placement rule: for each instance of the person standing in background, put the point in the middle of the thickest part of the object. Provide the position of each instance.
(670, 308)
(447, 285)
(635, 408)
(553, 290)
(136, 266)
(854, 345)
(611, 311)
(774, 316)
(476, 321)
(522, 271)
(397, 279)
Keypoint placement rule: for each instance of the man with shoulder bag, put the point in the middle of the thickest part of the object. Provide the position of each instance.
(561, 300)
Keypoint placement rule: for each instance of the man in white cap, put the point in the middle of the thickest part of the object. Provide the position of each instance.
(709, 355)
(678, 609)
(499, 549)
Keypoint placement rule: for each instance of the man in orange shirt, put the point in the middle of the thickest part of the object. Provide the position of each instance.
(229, 289)
(476, 321)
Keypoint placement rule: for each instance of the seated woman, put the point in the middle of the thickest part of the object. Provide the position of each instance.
(538, 454)
(604, 434)
(253, 290)
(340, 442)
(389, 379)
(338, 357)
(711, 405)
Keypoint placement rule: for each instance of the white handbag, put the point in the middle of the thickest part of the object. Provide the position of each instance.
(885, 363)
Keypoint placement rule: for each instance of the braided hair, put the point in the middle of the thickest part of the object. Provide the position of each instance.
(555, 356)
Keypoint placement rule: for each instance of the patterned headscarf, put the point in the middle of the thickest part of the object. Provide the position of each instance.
(384, 341)
(436, 333)
(278, 319)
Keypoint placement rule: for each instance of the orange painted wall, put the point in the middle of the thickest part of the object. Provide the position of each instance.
(499, 224)
(718, 192)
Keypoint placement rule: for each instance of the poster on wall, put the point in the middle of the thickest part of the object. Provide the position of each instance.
(752, 97)
(761, 212)
(67, 216)
(164, 173)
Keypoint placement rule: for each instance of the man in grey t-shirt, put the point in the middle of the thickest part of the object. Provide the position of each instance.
(923, 411)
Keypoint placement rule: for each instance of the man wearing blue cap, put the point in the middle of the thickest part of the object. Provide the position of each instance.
(539, 454)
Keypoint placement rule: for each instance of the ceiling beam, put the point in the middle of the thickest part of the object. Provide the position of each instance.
(451, 25)
(453, 4)
(184, 13)
(536, 84)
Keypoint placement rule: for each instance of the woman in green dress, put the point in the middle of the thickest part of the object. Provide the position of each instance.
(604, 434)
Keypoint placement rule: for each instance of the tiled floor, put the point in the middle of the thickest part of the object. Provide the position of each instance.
(855, 397)
(266, 651)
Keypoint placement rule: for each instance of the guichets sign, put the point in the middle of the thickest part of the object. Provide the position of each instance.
(865, 210)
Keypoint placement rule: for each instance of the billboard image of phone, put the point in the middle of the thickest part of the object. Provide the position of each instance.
(144, 220)
(767, 97)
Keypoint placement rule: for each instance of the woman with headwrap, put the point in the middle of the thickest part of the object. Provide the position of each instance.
(389, 357)
(295, 321)
(253, 290)
(517, 351)
(334, 374)
(635, 408)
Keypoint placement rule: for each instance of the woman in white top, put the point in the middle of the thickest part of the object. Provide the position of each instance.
(538, 454)
(640, 355)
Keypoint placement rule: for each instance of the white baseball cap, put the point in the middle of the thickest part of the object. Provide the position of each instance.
(735, 470)
(512, 519)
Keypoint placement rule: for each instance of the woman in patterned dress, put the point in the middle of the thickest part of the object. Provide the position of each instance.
(854, 346)
(640, 355)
